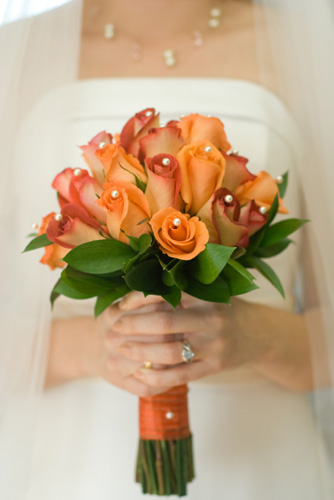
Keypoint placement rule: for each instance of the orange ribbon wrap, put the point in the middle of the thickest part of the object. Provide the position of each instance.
(165, 416)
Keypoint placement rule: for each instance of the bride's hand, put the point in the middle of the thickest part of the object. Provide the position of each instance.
(213, 331)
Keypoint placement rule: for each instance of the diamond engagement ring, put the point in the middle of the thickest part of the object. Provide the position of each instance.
(187, 353)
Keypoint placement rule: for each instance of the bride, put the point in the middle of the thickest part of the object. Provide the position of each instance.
(255, 430)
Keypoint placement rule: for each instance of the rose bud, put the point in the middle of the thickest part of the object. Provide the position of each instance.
(179, 235)
(163, 182)
(77, 187)
(165, 139)
(98, 142)
(136, 128)
(195, 127)
(126, 208)
(52, 253)
(203, 169)
(225, 217)
(262, 190)
(251, 217)
(236, 172)
(120, 165)
(73, 227)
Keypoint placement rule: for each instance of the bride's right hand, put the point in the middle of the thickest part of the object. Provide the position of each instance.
(82, 347)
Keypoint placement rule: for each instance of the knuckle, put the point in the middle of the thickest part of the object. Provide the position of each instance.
(165, 322)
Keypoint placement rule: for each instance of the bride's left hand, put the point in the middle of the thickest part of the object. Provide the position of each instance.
(214, 332)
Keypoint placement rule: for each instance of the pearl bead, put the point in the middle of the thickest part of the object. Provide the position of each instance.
(215, 12)
(235, 152)
(228, 198)
(170, 415)
(279, 179)
(102, 145)
(170, 57)
(262, 210)
(208, 149)
(58, 217)
(165, 162)
(214, 22)
(177, 222)
(109, 31)
(169, 53)
(148, 113)
(77, 172)
(170, 61)
(114, 194)
(34, 225)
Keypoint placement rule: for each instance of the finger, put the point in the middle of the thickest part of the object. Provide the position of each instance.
(134, 300)
(161, 322)
(171, 377)
(134, 386)
(158, 353)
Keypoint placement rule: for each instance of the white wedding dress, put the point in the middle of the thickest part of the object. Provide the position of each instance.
(253, 440)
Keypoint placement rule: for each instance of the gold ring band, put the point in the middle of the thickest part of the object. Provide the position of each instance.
(147, 365)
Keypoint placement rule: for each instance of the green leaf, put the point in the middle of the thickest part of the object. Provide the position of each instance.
(100, 257)
(267, 272)
(241, 270)
(254, 242)
(63, 288)
(273, 210)
(89, 284)
(173, 297)
(176, 275)
(32, 235)
(218, 291)
(105, 299)
(283, 185)
(54, 295)
(38, 242)
(280, 230)
(144, 242)
(146, 277)
(139, 183)
(240, 281)
(209, 263)
(273, 250)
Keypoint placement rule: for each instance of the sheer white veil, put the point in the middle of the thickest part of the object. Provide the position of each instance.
(41, 52)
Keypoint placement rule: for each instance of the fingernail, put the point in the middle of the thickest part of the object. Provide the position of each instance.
(139, 375)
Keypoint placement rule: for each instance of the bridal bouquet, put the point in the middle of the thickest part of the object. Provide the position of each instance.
(165, 210)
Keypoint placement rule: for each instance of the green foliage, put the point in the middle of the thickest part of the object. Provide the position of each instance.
(283, 186)
(207, 266)
(277, 232)
(267, 272)
(38, 242)
(100, 257)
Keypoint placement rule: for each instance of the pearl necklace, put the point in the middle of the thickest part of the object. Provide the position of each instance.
(169, 55)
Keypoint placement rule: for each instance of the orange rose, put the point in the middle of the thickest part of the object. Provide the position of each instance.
(52, 253)
(125, 206)
(164, 181)
(179, 235)
(262, 190)
(203, 169)
(118, 165)
(196, 127)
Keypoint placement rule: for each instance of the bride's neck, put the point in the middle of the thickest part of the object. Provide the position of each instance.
(150, 19)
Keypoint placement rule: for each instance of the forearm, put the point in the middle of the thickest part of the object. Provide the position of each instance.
(70, 342)
(282, 349)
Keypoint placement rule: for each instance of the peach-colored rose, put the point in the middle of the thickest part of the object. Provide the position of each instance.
(161, 140)
(118, 165)
(136, 128)
(203, 168)
(52, 253)
(179, 235)
(77, 187)
(89, 150)
(262, 190)
(196, 127)
(252, 218)
(236, 172)
(74, 228)
(126, 207)
(164, 182)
